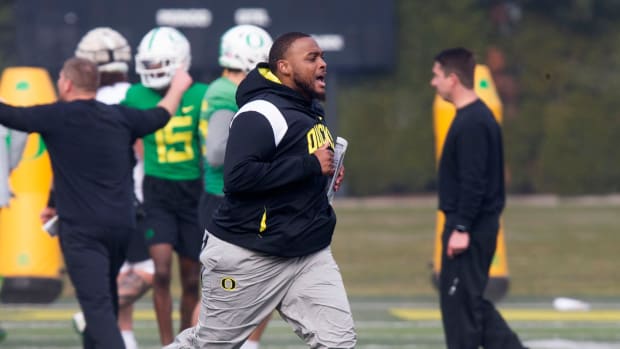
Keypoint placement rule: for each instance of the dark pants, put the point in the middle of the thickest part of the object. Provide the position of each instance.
(93, 256)
(137, 251)
(469, 320)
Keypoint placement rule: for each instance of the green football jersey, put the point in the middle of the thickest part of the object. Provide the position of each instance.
(173, 151)
(220, 95)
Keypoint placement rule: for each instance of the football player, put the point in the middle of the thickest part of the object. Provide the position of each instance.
(241, 48)
(172, 181)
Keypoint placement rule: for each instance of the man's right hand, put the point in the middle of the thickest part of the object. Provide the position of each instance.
(47, 214)
(181, 81)
(326, 159)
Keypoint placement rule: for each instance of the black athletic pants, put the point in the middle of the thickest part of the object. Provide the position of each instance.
(93, 256)
(469, 320)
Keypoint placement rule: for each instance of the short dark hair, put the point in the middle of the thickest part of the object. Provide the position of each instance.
(83, 73)
(459, 61)
(281, 45)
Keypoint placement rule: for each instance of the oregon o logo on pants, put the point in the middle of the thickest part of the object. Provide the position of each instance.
(229, 284)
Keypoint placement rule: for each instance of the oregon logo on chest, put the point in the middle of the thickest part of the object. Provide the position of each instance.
(317, 136)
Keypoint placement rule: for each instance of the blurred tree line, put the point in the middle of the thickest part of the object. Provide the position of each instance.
(557, 68)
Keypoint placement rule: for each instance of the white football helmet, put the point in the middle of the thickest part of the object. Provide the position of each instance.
(106, 47)
(160, 53)
(244, 46)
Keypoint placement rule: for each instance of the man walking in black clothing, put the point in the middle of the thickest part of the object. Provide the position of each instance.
(472, 197)
(90, 147)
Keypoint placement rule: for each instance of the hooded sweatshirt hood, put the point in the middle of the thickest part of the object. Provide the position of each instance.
(261, 80)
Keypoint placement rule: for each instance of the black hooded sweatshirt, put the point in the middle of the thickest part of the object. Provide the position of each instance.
(275, 199)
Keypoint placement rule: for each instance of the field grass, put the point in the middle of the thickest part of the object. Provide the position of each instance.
(554, 247)
(384, 247)
(377, 322)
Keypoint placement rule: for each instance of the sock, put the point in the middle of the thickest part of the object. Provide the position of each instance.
(249, 344)
(129, 339)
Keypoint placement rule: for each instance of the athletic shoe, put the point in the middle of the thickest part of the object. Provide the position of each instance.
(79, 323)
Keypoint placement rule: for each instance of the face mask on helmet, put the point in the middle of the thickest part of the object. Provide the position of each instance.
(160, 53)
(106, 47)
(244, 46)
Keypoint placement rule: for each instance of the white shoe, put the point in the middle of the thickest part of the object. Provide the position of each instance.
(79, 323)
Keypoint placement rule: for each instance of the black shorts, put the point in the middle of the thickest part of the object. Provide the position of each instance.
(171, 214)
(208, 204)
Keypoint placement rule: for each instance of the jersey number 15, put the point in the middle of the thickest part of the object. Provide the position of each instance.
(169, 137)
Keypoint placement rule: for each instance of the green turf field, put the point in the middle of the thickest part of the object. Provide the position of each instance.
(381, 324)
(555, 248)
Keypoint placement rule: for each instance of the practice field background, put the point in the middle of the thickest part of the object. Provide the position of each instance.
(555, 248)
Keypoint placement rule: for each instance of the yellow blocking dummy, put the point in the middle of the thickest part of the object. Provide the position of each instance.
(30, 260)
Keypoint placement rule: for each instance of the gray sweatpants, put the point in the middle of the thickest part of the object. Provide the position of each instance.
(242, 287)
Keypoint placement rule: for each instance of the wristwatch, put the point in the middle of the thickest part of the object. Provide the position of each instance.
(460, 228)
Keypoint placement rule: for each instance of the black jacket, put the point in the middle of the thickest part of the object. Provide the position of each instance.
(471, 169)
(275, 200)
(90, 146)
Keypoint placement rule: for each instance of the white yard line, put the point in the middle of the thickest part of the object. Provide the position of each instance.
(566, 344)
